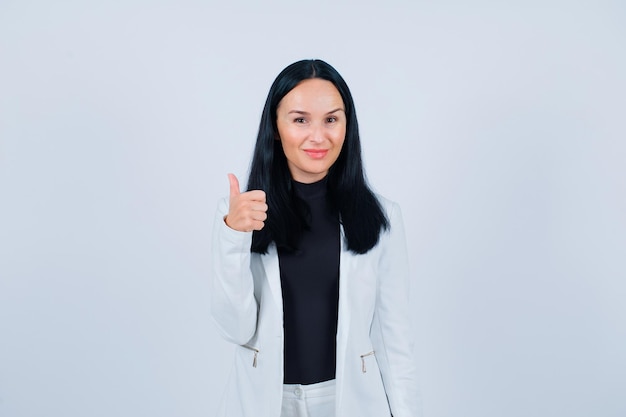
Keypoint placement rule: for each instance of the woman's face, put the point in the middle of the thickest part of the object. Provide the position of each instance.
(311, 123)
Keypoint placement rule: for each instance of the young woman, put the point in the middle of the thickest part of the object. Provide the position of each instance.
(310, 269)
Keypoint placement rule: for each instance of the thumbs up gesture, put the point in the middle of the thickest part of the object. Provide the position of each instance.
(247, 211)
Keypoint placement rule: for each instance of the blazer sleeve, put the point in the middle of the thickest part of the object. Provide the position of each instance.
(233, 306)
(391, 328)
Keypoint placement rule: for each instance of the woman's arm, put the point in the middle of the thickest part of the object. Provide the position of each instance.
(391, 329)
(233, 306)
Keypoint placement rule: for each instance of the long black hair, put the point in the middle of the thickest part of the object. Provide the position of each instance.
(359, 211)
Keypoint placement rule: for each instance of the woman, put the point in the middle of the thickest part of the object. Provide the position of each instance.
(310, 267)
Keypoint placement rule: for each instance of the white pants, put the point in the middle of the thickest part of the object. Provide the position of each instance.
(314, 400)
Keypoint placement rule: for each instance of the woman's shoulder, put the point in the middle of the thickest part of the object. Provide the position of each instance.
(388, 206)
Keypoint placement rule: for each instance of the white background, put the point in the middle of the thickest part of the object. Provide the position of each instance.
(498, 126)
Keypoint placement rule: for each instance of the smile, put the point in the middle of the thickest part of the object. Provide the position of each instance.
(316, 153)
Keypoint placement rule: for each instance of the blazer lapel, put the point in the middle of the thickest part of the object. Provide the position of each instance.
(343, 321)
(272, 272)
(345, 264)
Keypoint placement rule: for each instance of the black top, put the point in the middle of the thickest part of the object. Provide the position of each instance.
(310, 287)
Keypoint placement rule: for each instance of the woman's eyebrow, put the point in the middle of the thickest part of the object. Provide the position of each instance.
(307, 113)
(336, 110)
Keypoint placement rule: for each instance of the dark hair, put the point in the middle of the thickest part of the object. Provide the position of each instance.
(359, 211)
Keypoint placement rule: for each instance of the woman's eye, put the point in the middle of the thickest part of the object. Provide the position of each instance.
(331, 120)
(299, 120)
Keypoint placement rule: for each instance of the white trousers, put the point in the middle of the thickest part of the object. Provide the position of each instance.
(314, 400)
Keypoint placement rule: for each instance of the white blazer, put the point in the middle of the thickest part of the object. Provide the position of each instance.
(375, 370)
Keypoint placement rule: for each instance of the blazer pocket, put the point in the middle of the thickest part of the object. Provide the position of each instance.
(255, 351)
(364, 359)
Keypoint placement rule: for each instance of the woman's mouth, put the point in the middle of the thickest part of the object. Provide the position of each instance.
(316, 153)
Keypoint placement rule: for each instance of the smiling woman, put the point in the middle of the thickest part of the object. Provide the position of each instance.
(310, 268)
(312, 127)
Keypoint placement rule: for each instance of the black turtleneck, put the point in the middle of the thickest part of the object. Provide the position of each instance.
(310, 287)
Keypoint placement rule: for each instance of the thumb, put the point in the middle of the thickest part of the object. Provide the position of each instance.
(234, 185)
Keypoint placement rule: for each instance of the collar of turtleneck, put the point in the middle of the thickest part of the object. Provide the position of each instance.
(313, 190)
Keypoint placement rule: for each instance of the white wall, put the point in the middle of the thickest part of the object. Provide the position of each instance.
(498, 127)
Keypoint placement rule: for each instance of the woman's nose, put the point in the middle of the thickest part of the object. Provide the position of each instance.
(317, 134)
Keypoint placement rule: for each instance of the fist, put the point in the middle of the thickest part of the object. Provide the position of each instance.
(246, 211)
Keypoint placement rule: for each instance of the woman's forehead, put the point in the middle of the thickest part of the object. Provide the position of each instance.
(312, 95)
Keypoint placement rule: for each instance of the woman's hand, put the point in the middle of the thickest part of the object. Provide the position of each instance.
(246, 211)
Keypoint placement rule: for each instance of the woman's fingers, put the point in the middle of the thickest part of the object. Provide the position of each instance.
(247, 211)
(234, 186)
